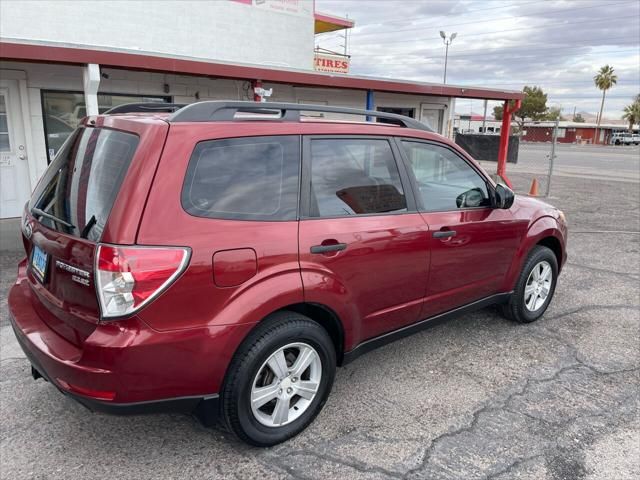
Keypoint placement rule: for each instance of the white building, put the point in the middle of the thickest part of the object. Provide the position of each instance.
(61, 60)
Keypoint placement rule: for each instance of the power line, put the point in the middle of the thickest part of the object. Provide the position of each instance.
(492, 19)
(546, 83)
(469, 11)
(528, 47)
(422, 59)
(563, 24)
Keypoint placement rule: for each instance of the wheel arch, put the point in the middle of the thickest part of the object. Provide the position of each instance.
(328, 319)
(544, 231)
(320, 314)
(553, 244)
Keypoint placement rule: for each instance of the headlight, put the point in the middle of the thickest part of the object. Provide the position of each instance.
(561, 217)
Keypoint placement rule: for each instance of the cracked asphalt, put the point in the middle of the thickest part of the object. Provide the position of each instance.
(476, 398)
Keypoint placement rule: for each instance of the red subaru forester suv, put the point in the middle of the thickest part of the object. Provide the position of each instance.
(223, 258)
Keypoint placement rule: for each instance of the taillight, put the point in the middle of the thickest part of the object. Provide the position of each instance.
(127, 278)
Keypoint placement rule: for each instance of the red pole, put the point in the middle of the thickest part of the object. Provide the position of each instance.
(504, 139)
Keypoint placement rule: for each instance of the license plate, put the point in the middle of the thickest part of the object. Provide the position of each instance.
(39, 263)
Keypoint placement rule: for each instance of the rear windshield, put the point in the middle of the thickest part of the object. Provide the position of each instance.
(78, 189)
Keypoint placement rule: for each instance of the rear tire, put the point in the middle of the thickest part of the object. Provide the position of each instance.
(278, 380)
(535, 287)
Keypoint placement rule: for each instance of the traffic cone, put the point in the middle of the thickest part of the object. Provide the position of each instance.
(533, 191)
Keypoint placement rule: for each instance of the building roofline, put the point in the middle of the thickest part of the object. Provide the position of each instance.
(330, 23)
(569, 124)
(11, 49)
(324, 17)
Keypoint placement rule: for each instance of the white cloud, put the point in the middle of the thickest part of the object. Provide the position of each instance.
(557, 45)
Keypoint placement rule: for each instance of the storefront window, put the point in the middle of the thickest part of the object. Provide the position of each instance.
(4, 127)
(63, 111)
(407, 112)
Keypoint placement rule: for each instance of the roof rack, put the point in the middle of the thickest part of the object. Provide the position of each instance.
(220, 111)
(145, 107)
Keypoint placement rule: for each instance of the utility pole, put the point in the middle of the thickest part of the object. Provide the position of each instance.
(447, 41)
(484, 118)
(552, 155)
(346, 40)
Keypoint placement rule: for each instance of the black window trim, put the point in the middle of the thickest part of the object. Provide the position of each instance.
(230, 217)
(414, 182)
(305, 177)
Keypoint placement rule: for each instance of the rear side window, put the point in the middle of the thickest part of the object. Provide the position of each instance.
(250, 178)
(356, 176)
(77, 192)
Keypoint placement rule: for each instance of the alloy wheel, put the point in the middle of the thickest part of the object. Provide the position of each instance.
(538, 286)
(286, 384)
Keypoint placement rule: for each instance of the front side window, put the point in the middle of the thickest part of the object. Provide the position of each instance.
(251, 178)
(445, 181)
(354, 177)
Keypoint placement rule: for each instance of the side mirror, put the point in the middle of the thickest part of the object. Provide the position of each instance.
(504, 196)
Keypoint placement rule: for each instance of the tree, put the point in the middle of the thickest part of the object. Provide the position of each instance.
(498, 110)
(632, 112)
(552, 114)
(534, 107)
(578, 118)
(604, 80)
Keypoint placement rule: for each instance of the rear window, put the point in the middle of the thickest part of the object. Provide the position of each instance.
(76, 193)
(250, 178)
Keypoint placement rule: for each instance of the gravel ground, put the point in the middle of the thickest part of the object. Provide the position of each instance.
(478, 397)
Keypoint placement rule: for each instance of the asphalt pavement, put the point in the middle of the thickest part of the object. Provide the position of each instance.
(476, 398)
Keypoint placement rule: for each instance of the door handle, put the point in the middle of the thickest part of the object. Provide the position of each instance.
(444, 234)
(334, 247)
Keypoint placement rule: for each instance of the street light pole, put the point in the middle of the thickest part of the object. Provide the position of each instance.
(447, 41)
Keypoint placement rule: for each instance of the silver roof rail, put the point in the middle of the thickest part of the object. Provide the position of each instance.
(222, 111)
(145, 107)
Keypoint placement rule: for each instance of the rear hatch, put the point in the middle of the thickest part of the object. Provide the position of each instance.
(64, 221)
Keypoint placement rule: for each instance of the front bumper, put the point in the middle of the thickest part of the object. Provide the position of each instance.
(126, 367)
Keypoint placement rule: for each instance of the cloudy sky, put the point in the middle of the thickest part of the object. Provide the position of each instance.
(556, 44)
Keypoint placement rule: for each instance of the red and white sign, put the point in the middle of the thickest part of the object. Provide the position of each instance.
(331, 63)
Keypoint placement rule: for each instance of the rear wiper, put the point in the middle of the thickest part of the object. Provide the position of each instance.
(87, 228)
(37, 211)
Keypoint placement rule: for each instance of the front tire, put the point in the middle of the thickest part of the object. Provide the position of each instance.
(278, 380)
(535, 286)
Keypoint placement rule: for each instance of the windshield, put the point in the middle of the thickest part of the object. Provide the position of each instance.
(78, 189)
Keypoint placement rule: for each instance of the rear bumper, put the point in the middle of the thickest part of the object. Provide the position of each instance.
(206, 407)
(126, 367)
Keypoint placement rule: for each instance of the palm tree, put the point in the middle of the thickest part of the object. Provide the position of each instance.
(632, 112)
(604, 80)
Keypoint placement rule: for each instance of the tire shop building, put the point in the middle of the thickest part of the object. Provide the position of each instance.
(62, 60)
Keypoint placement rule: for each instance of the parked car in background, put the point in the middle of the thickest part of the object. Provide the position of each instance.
(622, 139)
(227, 257)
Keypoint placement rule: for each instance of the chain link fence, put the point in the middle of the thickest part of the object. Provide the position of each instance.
(535, 165)
(529, 164)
